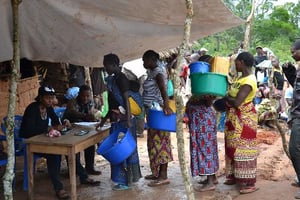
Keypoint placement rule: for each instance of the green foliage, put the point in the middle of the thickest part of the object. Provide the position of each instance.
(275, 27)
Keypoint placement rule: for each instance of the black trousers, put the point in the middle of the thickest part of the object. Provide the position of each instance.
(89, 157)
(294, 146)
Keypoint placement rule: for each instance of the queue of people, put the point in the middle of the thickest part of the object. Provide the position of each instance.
(240, 129)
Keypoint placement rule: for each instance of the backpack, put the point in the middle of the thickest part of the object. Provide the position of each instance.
(135, 98)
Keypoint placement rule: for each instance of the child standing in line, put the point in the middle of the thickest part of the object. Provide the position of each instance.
(203, 140)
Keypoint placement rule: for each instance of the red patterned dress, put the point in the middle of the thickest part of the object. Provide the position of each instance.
(203, 140)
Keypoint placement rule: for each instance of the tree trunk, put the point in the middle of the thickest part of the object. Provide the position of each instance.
(179, 103)
(248, 27)
(276, 104)
(15, 75)
(283, 139)
(88, 79)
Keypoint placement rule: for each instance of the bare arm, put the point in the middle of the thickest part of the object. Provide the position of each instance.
(162, 88)
(241, 96)
(125, 96)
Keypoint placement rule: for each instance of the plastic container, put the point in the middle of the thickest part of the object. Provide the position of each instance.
(159, 121)
(199, 67)
(117, 151)
(59, 111)
(209, 84)
(220, 65)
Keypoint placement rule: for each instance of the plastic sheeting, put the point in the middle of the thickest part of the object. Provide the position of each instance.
(82, 31)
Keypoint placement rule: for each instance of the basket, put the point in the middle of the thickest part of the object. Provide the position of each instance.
(117, 151)
(199, 67)
(208, 84)
(220, 65)
(160, 121)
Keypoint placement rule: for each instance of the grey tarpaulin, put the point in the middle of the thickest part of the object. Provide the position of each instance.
(82, 31)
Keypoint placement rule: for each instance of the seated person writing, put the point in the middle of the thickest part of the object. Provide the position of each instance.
(81, 109)
(35, 122)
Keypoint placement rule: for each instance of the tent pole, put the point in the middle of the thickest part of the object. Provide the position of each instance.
(88, 79)
(15, 75)
(179, 102)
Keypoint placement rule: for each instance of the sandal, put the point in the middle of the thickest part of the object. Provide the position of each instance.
(247, 190)
(295, 183)
(206, 182)
(90, 182)
(120, 187)
(205, 188)
(156, 183)
(229, 182)
(62, 194)
(150, 177)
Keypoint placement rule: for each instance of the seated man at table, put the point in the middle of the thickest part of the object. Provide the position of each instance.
(81, 109)
(36, 121)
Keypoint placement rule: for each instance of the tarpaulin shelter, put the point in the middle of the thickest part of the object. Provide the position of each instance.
(82, 31)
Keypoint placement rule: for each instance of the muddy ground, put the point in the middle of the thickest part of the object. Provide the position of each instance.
(274, 178)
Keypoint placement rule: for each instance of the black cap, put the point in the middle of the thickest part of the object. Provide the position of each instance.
(45, 90)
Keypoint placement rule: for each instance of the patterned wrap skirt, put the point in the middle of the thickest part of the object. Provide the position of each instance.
(203, 140)
(241, 144)
(159, 149)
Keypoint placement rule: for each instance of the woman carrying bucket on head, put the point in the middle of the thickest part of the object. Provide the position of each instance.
(120, 117)
(158, 142)
(202, 123)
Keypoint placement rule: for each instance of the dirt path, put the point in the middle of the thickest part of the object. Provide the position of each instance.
(275, 174)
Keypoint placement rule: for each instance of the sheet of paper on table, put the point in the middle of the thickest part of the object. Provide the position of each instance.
(105, 126)
(86, 123)
(92, 125)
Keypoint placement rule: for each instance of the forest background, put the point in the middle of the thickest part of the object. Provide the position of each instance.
(275, 26)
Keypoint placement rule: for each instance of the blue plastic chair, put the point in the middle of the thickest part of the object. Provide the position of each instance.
(20, 147)
(3, 162)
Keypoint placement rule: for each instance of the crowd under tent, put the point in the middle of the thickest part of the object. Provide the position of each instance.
(81, 32)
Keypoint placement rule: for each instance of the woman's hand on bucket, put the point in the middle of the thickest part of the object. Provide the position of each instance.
(167, 110)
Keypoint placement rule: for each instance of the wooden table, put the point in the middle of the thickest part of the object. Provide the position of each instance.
(68, 144)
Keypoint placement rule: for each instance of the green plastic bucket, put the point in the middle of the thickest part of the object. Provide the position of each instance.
(208, 84)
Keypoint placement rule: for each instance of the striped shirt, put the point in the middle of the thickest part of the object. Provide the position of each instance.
(151, 91)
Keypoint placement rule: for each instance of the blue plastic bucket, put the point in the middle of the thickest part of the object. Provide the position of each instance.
(117, 151)
(160, 121)
(199, 67)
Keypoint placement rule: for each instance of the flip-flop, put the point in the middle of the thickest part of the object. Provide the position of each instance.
(229, 182)
(90, 182)
(295, 183)
(62, 194)
(150, 177)
(156, 183)
(120, 187)
(204, 189)
(247, 190)
(206, 181)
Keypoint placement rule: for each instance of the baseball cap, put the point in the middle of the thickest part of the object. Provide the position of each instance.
(203, 49)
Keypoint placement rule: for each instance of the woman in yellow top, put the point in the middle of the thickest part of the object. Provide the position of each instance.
(240, 127)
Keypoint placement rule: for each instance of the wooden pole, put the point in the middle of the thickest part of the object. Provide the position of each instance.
(179, 102)
(88, 79)
(15, 75)
(248, 27)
